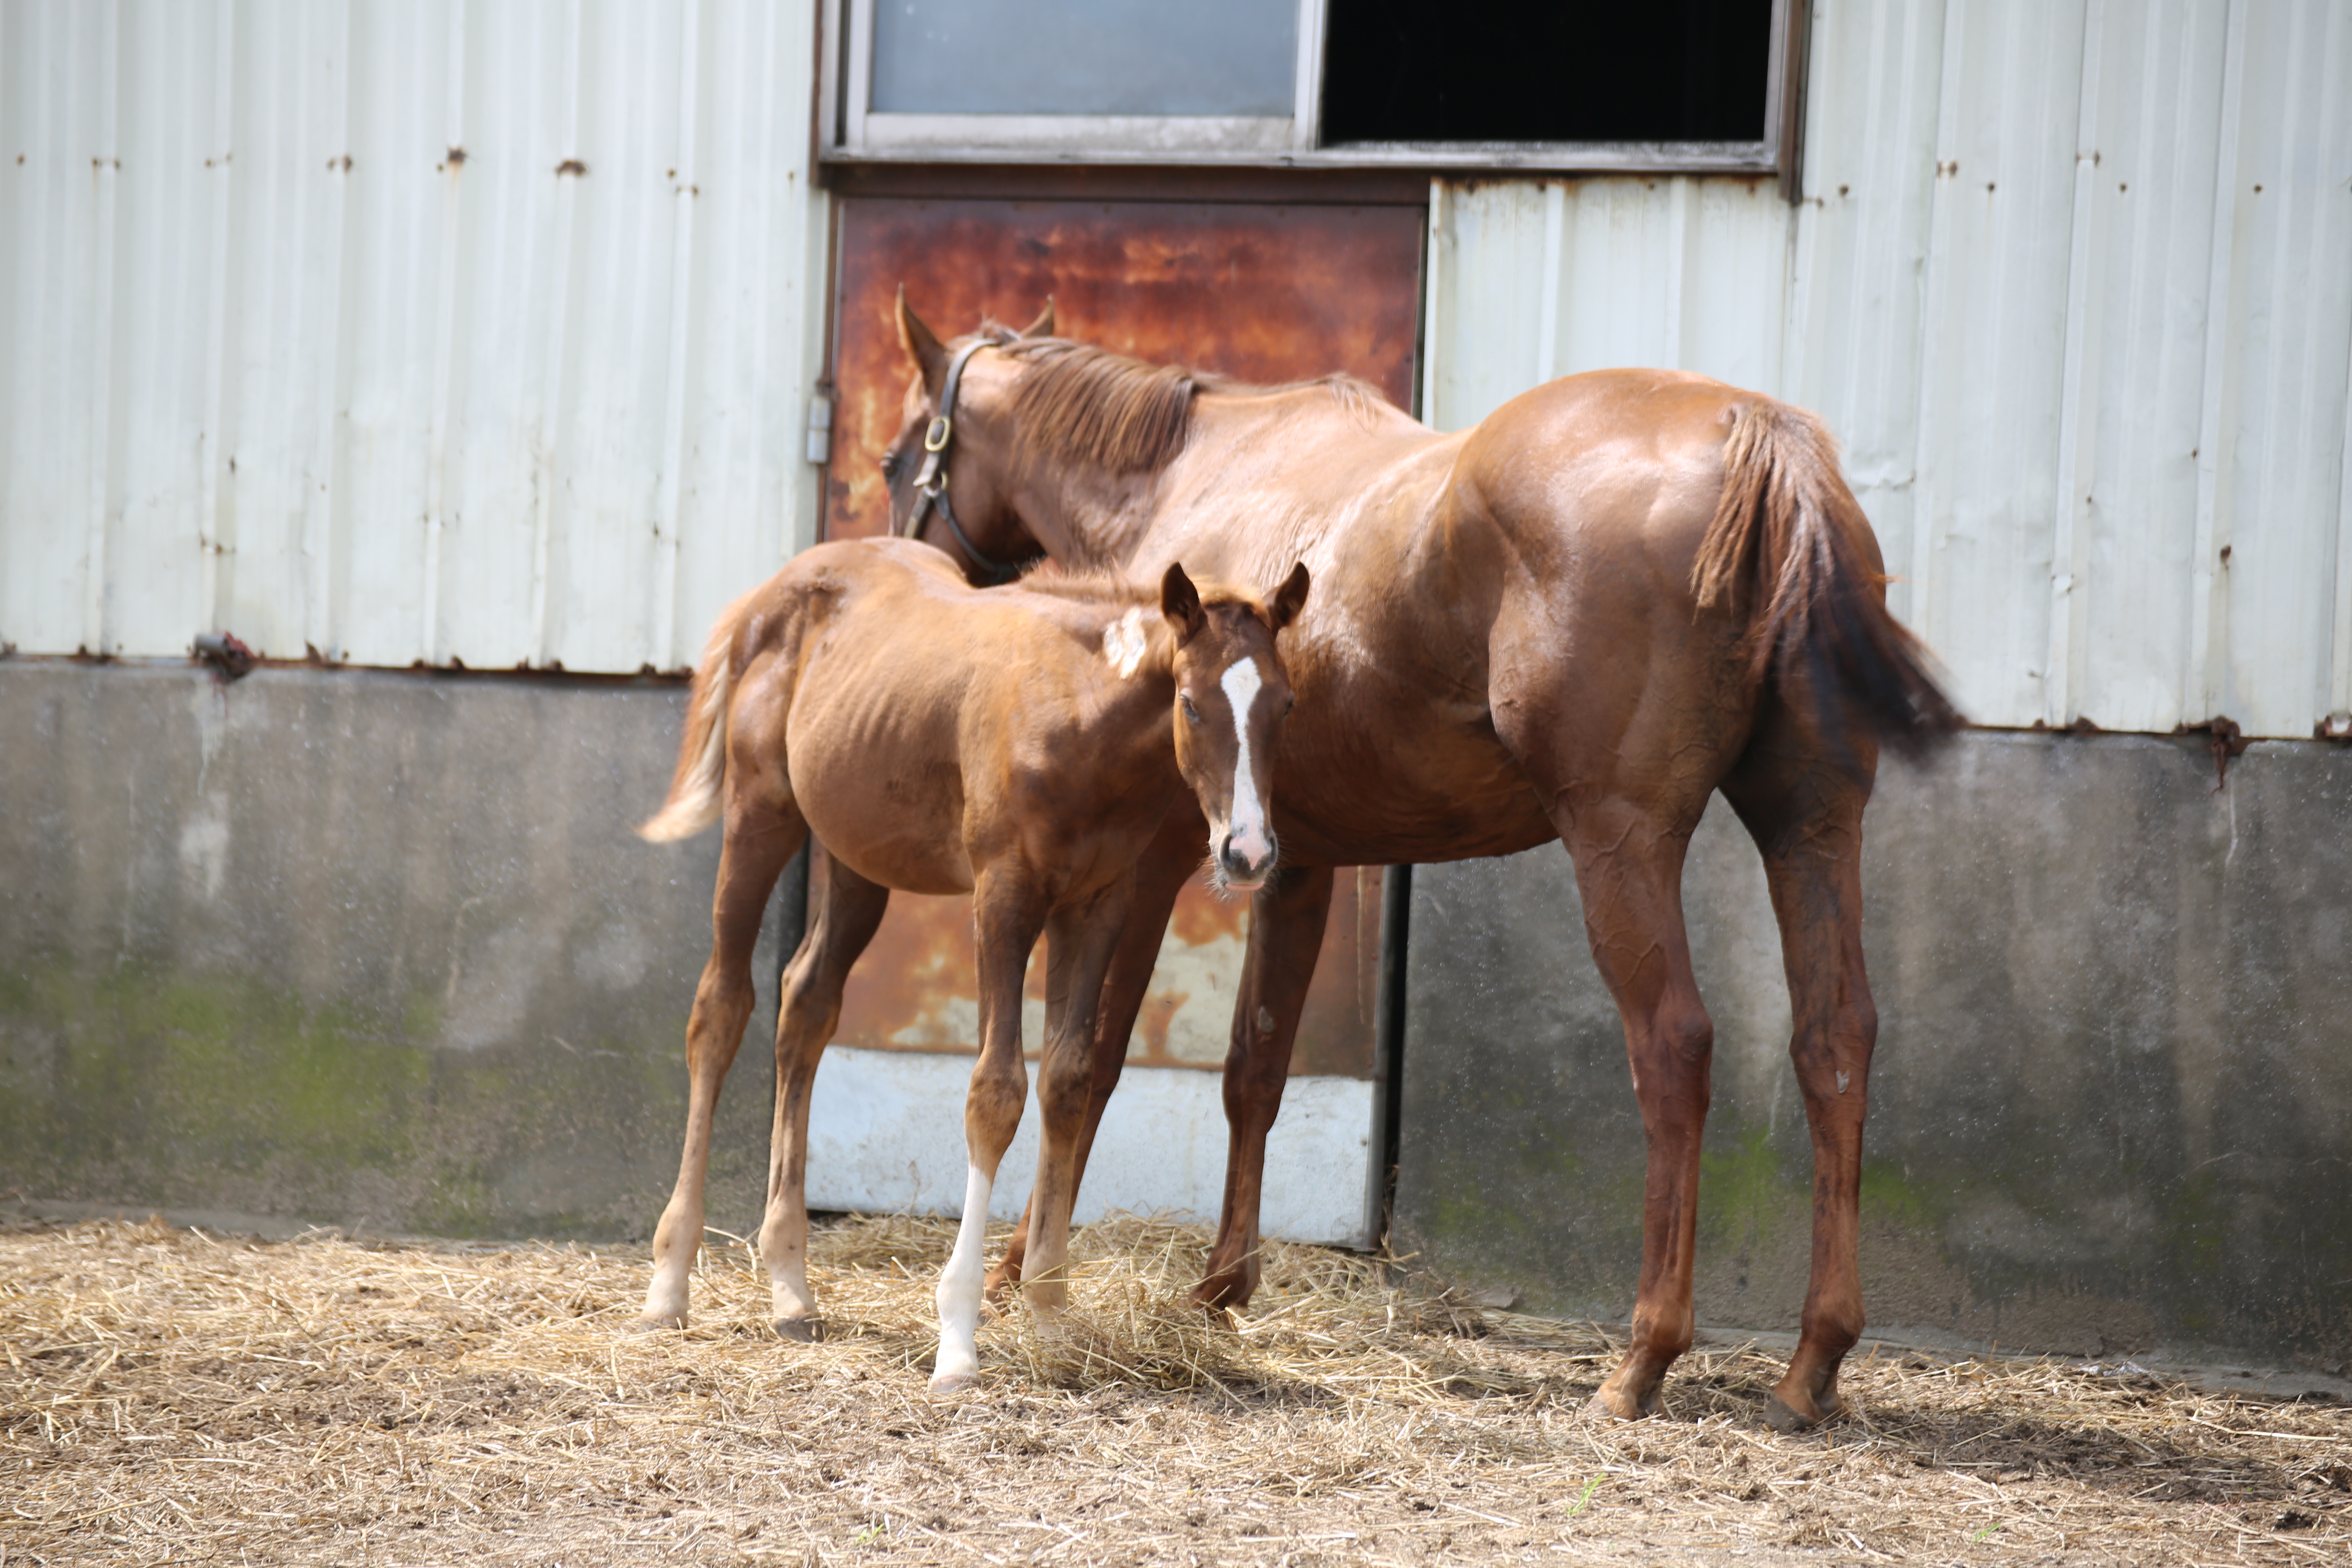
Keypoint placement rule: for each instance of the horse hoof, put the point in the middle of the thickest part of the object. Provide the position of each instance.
(808, 1331)
(653, 1325)
(1610, 1408)
(952, 1382)
(1782, 1416)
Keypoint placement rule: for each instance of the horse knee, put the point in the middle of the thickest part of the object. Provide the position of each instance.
(992, 1107)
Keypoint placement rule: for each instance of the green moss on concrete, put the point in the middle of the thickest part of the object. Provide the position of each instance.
(141, 1065)
(1745, 1188)
(144, 1084)
(1888, 1193)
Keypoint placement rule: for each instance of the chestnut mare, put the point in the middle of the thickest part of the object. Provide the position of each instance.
(1620, 593)
(1024, 745)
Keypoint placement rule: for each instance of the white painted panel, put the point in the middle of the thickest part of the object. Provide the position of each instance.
(2150, 191)
(759, 262)
(515, 126)
(402, 109)
(277, 363)
(2290, 217)
(58, 85)
(1735, 261)
(1873, 99)
(1488, 258)
(1546, 279)
(167, 353)
(1993, 373)
(1619, 304)
(600, 580)
(280, 322)
(886, 1133)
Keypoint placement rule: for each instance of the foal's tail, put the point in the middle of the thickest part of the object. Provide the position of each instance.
(694, 790)
(1790, 546)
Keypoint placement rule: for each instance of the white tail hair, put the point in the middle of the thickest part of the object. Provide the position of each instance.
(694, 792)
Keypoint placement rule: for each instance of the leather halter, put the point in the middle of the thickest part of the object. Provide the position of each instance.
(932, 479)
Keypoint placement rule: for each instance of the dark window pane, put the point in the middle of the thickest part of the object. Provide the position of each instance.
(1084, 57)
(1573, 70)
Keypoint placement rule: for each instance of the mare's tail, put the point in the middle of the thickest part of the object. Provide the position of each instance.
(694, 790)
(1790, 549)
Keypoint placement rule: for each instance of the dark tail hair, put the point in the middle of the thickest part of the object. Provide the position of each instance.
(1790, 545)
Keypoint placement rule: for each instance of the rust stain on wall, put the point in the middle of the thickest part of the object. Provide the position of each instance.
(915, 989)
(1260, 292)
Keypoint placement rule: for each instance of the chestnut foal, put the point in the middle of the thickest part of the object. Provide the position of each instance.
(1022, 744)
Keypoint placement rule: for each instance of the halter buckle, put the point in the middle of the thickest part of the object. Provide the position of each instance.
(936, 439)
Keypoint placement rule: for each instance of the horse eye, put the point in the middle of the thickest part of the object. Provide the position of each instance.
(1190, 712)
(890, 465)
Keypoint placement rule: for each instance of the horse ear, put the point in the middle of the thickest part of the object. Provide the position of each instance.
(1290, 598)
(1181, 601)
(922, 346)
(1043, 327)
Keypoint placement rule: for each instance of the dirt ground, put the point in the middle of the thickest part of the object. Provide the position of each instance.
(174, 1397)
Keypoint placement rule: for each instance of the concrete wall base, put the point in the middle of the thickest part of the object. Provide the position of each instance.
(2111, 1110)
(368, 948)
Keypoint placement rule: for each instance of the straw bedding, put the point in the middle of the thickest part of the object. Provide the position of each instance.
(170, 1396)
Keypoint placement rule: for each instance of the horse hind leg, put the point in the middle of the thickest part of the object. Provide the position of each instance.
(759, 840)
(848, 909)
(1629, 862)
(1803, 808)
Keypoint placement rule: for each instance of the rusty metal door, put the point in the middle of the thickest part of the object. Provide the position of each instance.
(1261, 291)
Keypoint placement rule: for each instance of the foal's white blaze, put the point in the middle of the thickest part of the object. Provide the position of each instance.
(959, 1298)
(1246, 830)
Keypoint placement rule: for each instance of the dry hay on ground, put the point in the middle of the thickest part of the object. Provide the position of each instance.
(171, 1396)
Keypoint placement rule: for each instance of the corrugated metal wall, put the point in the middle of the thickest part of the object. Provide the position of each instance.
(403, 329)
(2074, 284)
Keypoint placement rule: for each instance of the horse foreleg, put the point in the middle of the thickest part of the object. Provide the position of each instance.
(760, 841)
(848, 909)
(1159, 876)
(1007, 915)
(1287, 920)
(1805, 815)
(1629, 873)
(1080, 941)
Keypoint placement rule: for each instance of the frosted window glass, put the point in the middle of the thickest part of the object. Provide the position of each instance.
(1084, 57)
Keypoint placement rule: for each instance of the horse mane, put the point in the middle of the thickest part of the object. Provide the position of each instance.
(1077, 403)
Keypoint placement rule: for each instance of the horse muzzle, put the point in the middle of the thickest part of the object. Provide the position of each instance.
(1244, 861)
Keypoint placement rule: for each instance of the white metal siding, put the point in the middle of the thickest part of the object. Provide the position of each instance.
(2073, 282)
(273, 360)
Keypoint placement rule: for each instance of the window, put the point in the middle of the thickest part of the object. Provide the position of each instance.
(1685, 85)
(1404, 71)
